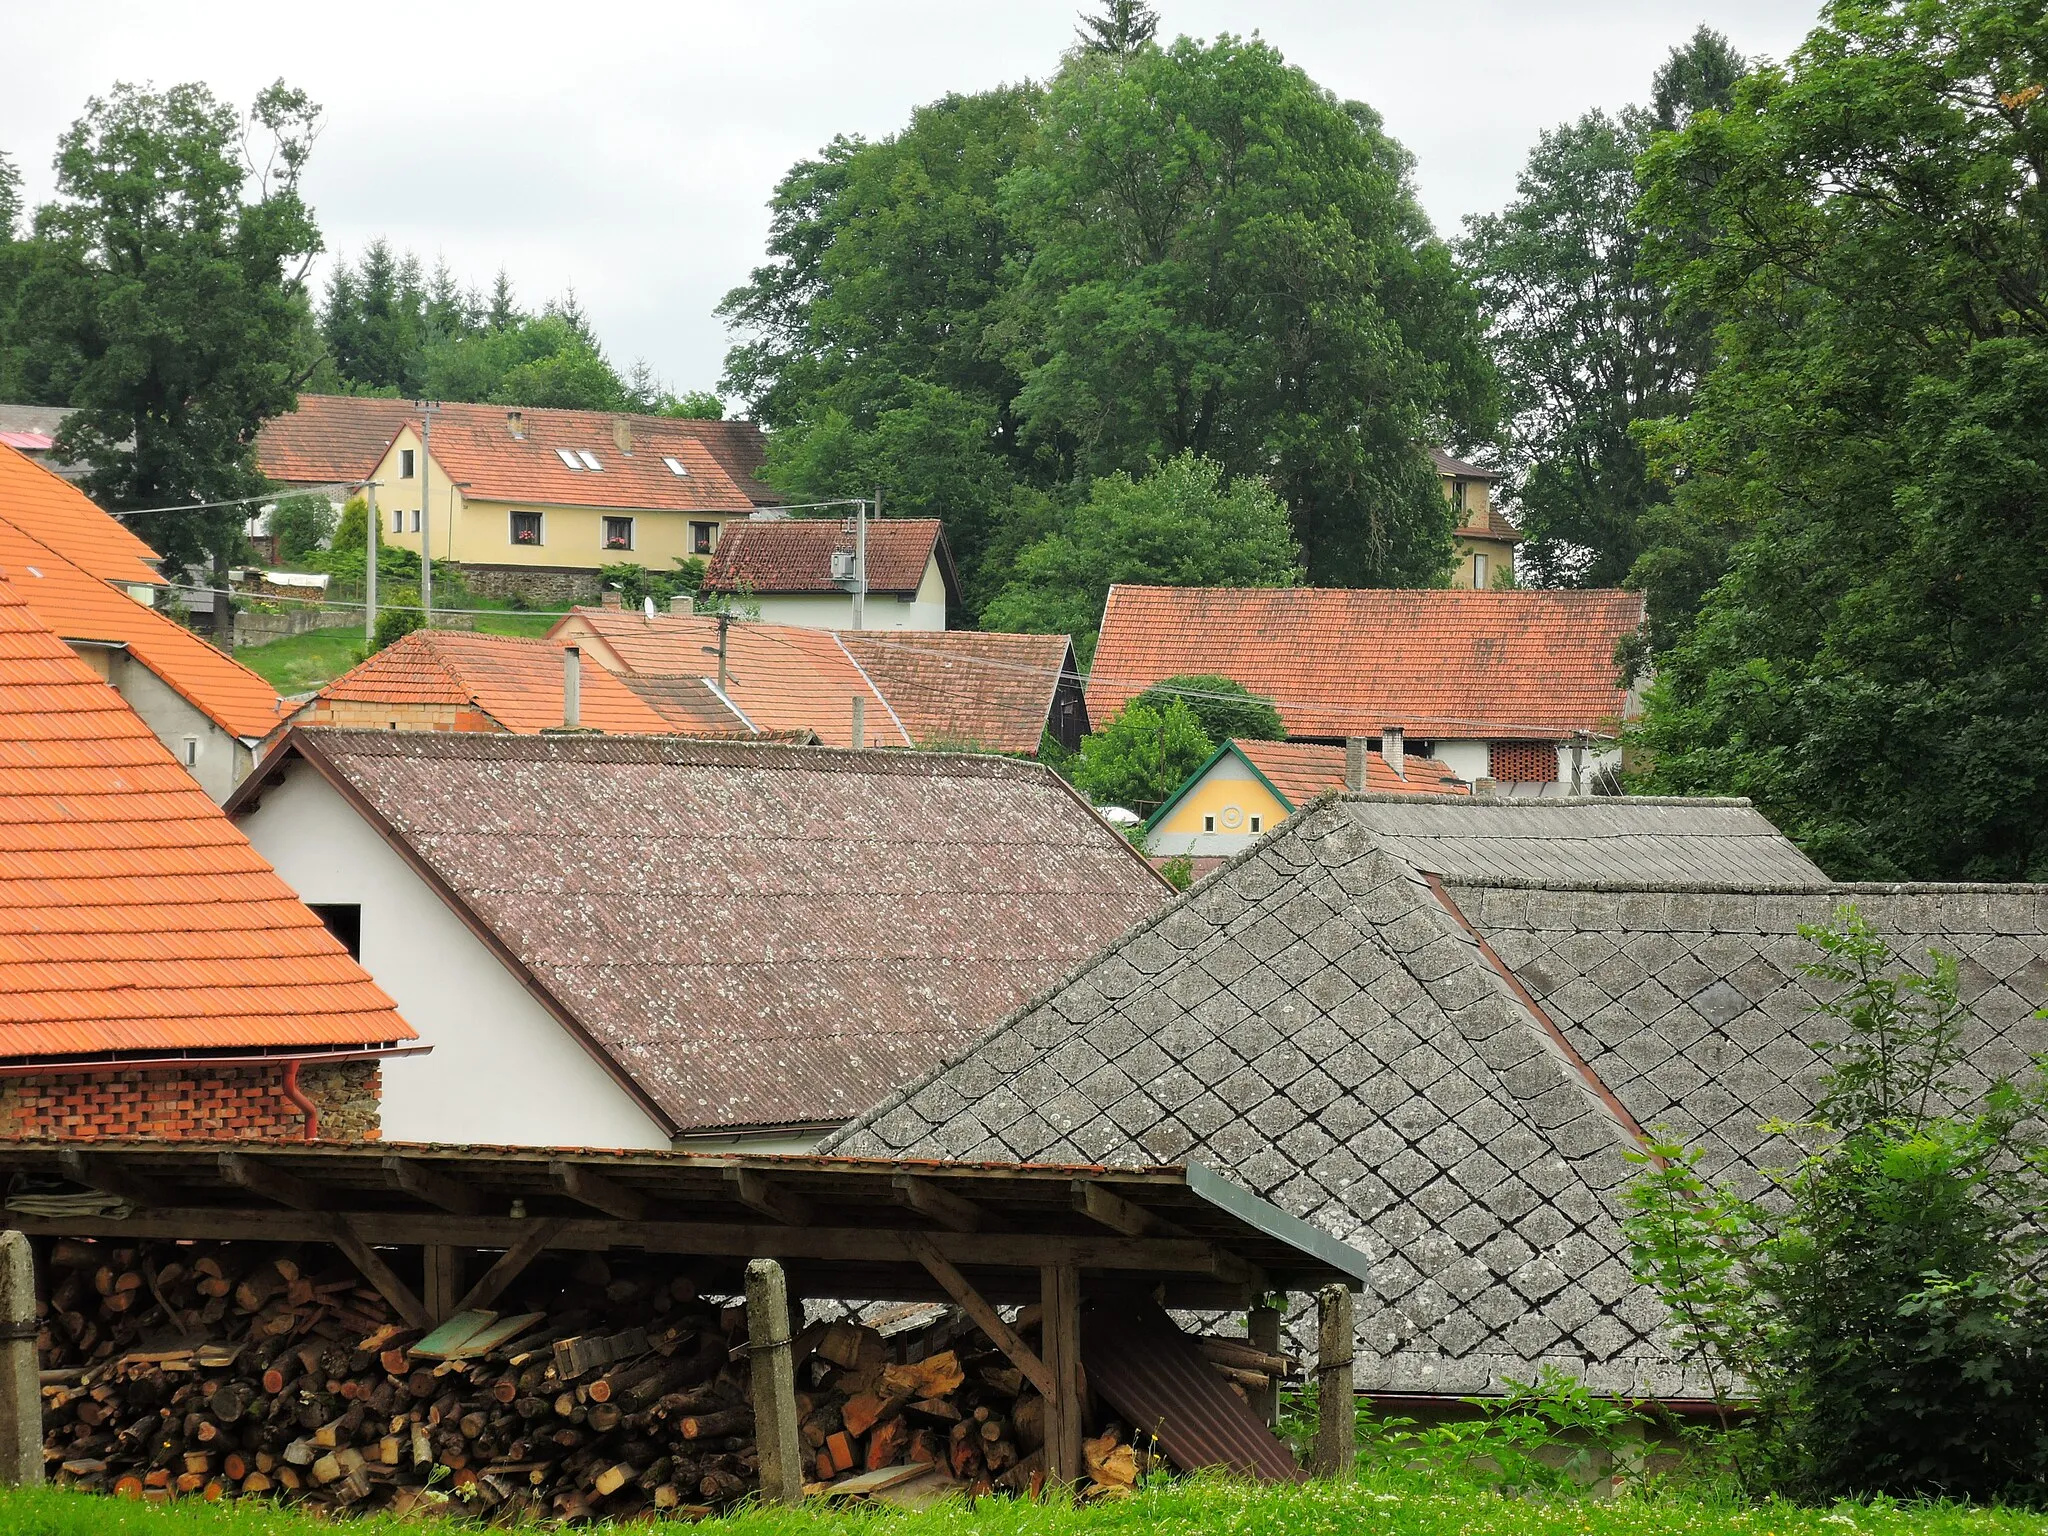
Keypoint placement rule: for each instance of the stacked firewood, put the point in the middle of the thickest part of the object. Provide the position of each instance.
(601, 1389)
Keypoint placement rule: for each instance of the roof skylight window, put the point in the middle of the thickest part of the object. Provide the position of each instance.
(567, 458)
(675, 466)
(589, 459)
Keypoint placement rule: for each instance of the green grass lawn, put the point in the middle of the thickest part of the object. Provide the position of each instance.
(1195, 1508)
(302, 663)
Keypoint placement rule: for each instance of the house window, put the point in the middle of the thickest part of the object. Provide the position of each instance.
(405, 463)
(190, 752)
(1208, 823)
(345, 921)
(415, 520)
(702, 537)
(1479, 573)
(567, 457)
(1458, 494)
(675, 466)
(398, 519)
(526, 528)
(1258, 823)
(618, 533)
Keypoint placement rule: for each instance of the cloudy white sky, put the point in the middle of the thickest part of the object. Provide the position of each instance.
(629, 149)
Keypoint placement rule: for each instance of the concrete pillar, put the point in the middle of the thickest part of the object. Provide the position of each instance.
(1262, 1331)
(21, 1400)
(1336, 1441)
(774, 1377)
(1059, 1294)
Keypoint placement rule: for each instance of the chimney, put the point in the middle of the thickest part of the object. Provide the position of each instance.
(860, 721)
(622, 435)
(1486, 789)
(682, 605)
(572, 688)
(1354, 763)
(611, 600)
(515, 423)
(1394, 750)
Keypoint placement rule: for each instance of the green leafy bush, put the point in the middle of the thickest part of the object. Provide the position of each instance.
(396, 623)
(1885, 1307)
(1226, 708)
(1141, 756)
(301, 524)
(636, 583)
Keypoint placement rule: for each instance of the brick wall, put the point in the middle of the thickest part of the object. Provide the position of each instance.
(196, 1102)
(1523, 762)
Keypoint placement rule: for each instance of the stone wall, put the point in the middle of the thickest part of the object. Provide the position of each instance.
(194, 1103)
(538, 586)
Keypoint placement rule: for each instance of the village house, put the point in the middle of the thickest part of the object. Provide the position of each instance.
(91, 581)
(924, 688)
(1482, 535)
(529, 502)
(802, 571)
(1247, 788)
(633, 941)
(1518, 687)
(160, 979)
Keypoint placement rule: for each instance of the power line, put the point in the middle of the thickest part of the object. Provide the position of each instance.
(243, 501)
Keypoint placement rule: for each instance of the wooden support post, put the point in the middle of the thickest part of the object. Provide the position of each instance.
(443, 1280)
(1336, 1397)
(774, 1381)
(379, 1274)
(21, 1399)
(1059, 1291)
(511, 1265)
(986, 1318)
(1262, 1331)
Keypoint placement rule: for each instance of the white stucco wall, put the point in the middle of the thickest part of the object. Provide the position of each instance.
(222, 760)
(1467, 759)
(502, 1069)
(883, 610)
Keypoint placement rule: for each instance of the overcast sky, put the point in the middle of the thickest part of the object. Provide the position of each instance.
(629, 149)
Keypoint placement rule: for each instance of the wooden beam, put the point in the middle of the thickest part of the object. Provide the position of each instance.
(96, 1173)
(436, 1188)
(1262, 1332)
(758, 1192)
(443, 1266)
(1000, 1333)
(1336, 1441)
(394, 1290)
(259, 1178)
(1120, 1215)
(511, 1264)
(943, 1206)
(1065, 1399)
(774, 1384)
(588, 1187)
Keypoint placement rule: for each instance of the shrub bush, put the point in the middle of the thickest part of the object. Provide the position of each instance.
(1226, 708)
(301, 524)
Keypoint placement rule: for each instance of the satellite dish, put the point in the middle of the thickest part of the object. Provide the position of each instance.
(647, 606)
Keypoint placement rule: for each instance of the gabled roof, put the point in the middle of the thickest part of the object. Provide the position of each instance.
(515, 682)
(966, 687)
(333, 439)
(81, 607)
(1449, 1071)
(1346, 662)
(781, 556)
(755, 935)
(1297, 772)
(136, 922)
(691, 704)
(53, 510)
(1459, 469)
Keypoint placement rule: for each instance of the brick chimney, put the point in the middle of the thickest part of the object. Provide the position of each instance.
(611, 599)
(1394, 749)
(1355, 749)
(515, 423)
(622, 435)
(682, 605)
(572, 688)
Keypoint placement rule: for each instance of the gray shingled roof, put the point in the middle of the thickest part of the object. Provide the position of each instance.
(1318, 1021)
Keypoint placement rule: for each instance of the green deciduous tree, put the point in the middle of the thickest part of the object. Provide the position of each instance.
(1184, 525)
(1227, 260)
(1858, 488)
(1227, 710)
(302, 524)
(1141, 756)
(1588, 342)
(166, 298)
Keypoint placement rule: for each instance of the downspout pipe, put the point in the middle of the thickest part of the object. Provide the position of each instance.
(297, 1095)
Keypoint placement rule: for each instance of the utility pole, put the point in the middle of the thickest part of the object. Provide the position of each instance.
(724, 623)
(427, 409)
(370, 569)
(860, 558)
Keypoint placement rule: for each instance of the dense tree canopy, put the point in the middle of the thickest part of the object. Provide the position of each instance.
(1859, 487)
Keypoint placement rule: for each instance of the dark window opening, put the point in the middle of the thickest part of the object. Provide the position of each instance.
(701, 536)
(525, 527)
(405, 463)
(345, 921)
(618, 533)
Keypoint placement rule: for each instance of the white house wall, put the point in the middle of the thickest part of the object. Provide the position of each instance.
(1469, 760)
(883, 610)
(213, 756)
(502, 1069)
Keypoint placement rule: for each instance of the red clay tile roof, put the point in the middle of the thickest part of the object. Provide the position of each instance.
(757, 935)
(690, 704)
(135, 920)
(56, 512)
(1344, 662)
(1301, 771)
(516, 682)
(78, 606)
(778, 676)
(339, 438)
(787, 554)
(963, 687)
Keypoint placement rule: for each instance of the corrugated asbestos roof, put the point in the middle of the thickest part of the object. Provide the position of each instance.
(784, 555)
(758, 935)
(1319, 1020)
(1337, 663)
(135, 919)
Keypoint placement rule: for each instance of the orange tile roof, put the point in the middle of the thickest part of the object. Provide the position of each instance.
(690, 703)
(135, 920)
(965, 687)
(1301, 771)
(516, 682)
(79, 606)
(55, 511)
(788, 554)
(336, 438)
(1345, 662)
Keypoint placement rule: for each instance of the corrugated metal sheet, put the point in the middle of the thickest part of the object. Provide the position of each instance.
(1152, 1374)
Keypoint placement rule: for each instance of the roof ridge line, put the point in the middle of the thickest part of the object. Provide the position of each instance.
(880, 696)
